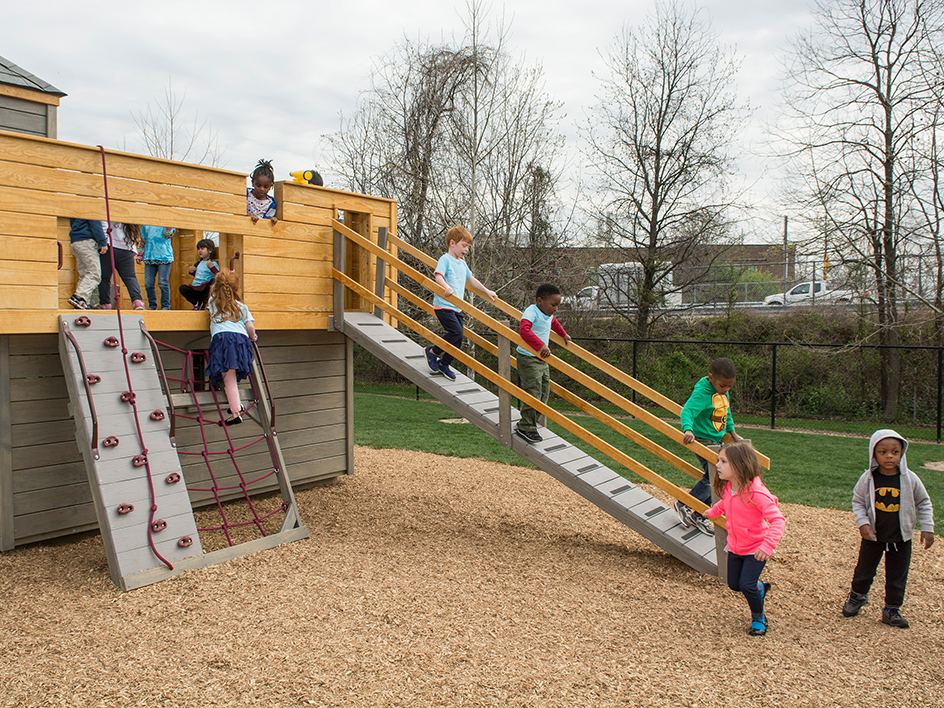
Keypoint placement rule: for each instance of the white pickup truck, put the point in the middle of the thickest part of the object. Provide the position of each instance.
(809, 292)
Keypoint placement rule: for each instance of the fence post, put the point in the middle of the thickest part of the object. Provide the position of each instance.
(504, 398)
(940, 378)
(773, 389)
(635, 349)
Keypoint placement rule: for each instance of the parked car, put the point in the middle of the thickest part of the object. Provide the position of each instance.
(617, 290)
(586, 298)
(809, 292)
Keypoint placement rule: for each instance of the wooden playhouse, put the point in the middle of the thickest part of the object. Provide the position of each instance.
(325, 276)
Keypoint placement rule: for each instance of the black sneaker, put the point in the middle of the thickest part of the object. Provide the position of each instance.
(78, 303)
(854, 604)
(891, 615)
(432, 361)
(529, 436)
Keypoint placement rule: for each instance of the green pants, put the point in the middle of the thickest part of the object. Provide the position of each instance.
(535, 377)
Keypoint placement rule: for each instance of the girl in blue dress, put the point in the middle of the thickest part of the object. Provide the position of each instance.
(231, 337)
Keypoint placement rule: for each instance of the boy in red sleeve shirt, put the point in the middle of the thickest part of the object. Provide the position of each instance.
(534, 374)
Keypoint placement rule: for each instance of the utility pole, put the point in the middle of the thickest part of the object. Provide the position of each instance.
(786, 254)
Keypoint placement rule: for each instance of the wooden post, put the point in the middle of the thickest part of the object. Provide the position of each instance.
(721, 536)
(349, 403)
(7, 531)
(338, 319)
(504, 398)
(381, 274)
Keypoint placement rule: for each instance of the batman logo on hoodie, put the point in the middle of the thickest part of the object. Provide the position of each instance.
(887, 499)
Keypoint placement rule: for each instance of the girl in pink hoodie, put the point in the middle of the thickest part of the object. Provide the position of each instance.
(754, 524)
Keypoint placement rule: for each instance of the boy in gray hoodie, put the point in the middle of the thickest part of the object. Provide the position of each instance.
(886, 501)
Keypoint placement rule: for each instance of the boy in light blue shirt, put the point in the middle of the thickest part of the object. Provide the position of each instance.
(537, 322)
(451, 275)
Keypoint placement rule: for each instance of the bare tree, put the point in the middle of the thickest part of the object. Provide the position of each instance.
(859, 97)
(166, 132)
(454, 133)
(659, 142)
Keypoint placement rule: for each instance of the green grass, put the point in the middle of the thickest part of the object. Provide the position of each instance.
(806, 468)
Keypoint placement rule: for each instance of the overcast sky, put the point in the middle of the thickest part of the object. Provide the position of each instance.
(272, 78)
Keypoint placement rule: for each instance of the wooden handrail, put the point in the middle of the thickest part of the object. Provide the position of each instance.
(606, 448)
(604, 366)
(566, 395)
(653, 421)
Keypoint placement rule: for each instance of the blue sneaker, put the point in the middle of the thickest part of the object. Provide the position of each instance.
(447, 372)
(758, 627)
(432, 361)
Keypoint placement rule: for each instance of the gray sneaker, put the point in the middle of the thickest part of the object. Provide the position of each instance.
(891, 616)
(854, 604)
(684, 514)
(703, 524)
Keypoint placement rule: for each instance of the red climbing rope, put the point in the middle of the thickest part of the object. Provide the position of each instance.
(124, 358)
(189, 383)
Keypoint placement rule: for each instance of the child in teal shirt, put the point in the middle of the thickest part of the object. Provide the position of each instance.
(158, 257)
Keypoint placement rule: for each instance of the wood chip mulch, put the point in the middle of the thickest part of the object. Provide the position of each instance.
(433, 581)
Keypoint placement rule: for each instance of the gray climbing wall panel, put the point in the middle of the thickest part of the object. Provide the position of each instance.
(125, 490)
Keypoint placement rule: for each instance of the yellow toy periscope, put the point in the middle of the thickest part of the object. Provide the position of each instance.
(307, 177)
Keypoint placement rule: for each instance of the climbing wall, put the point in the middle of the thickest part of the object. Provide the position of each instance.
(123, 432)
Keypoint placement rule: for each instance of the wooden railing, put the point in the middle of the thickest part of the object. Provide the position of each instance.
(387, 290)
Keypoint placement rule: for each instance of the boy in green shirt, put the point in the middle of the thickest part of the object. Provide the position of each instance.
(706, 417)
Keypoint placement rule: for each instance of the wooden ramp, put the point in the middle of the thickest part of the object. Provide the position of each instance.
(141, 498)
(583, 474)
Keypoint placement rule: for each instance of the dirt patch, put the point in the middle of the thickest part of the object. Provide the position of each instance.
(432, 581)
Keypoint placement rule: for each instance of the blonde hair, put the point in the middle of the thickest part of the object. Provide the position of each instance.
(458, 234)
(224, 294)
(743, 462)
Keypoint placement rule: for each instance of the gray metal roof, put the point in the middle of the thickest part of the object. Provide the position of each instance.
(13, 75)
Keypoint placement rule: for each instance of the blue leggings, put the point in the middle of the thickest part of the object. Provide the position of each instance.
(744, 577)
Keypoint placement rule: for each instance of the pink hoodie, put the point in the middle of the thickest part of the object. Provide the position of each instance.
(752, 518)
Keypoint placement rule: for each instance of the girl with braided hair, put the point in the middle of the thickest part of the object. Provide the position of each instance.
(259, 205)
(231, 337)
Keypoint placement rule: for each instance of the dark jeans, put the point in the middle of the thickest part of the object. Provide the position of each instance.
(160, 271)
(195, 296)
(897, 562)
(702, 489)
(453, 322)
(124, 264)
(743, 577)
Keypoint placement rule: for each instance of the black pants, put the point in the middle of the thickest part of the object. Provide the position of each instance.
(194, 296)
(124, 264)
(453, 322)
(897, 562)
